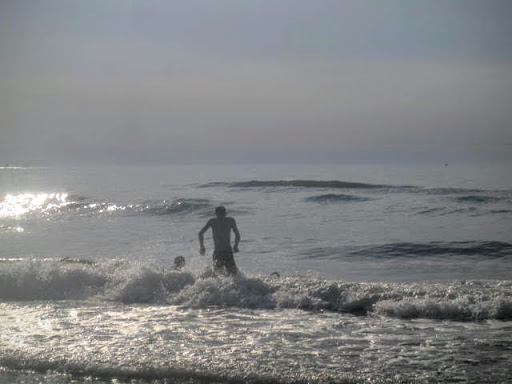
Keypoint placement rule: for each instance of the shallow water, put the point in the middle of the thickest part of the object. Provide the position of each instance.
(223, 345)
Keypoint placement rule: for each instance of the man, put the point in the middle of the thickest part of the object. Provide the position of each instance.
(221, 226)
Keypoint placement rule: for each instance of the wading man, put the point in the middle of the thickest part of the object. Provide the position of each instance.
(221, 225)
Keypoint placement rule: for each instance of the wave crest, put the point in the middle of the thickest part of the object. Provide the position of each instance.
(54, 204)
(336, 198)
(486, 249)
(477, 199)
(334, 184)
(135, 283)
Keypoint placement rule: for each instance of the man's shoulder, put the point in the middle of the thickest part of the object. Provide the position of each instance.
(227, 219)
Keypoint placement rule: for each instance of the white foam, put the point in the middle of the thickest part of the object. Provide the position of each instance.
(126, 282)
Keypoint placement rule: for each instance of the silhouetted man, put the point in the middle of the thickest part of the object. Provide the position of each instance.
(221, 225)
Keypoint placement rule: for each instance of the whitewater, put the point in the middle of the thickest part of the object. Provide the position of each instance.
(385, 274)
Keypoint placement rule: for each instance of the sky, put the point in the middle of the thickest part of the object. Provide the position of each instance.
(144, 81)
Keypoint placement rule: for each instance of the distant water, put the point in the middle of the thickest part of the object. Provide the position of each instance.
(387, 274)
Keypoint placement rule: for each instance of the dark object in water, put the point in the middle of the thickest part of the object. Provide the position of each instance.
(179, 263)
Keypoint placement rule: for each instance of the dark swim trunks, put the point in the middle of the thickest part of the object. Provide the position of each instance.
(224, 262)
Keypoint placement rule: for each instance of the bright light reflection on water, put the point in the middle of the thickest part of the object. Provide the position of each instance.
(24, 203)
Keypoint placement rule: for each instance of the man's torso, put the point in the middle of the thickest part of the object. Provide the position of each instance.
(221, 230)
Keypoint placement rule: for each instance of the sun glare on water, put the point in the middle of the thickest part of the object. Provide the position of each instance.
(24, 203)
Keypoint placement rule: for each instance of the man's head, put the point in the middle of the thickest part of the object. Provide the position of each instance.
(220, 211)
(179, 262)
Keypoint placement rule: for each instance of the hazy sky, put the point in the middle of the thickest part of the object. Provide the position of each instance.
(255, 80)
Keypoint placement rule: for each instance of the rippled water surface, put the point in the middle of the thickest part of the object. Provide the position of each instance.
(386, 274)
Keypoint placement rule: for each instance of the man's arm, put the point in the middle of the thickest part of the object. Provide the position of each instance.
(201, 237)
(237, 236)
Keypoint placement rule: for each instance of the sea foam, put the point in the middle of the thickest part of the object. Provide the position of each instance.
(126, 282)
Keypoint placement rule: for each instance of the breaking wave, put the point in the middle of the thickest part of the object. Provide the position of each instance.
(125, 282)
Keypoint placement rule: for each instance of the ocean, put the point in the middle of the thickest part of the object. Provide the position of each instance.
(348, 274)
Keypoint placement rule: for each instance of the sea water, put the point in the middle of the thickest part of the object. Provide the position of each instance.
(385, 274)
